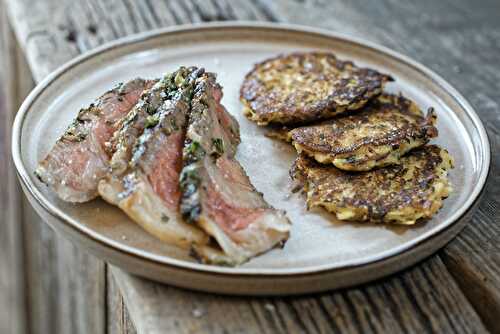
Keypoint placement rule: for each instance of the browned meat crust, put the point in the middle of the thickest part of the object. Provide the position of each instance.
(79, 158)
(217, 194)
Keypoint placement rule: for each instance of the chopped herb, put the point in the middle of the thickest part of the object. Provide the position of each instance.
(74, 131)
(179, 79)
(164, 218)
(168, 78)
(189, 95)
(81, 136)
(121, 89)
(131, 117)
(150, 109)
(173, 123)
(190, 189)
(194, 151)
(138, 152)
(190, 210)
(151, 121)
(188, 175)
(118, 86)
(351, 159)
(218, 145)
(353, 81)
(190, 203)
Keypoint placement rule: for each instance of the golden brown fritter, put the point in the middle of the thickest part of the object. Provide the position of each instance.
(377, 135)
(308, 86)
(399, 194)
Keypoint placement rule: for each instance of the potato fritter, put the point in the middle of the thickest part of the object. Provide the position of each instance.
(399, 194)
(308, 86)
(377, 135)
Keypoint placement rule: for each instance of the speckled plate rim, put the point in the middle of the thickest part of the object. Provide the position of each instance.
(23, 174)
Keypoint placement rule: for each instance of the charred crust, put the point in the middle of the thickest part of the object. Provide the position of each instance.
(338, 86)
(378, 192)
(389, 120)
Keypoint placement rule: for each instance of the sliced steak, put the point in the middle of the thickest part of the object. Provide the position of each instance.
(147, 187)
(217, 195)
(132, 126)
(79, 158)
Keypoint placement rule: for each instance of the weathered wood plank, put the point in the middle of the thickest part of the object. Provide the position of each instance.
(462, 44)
(414, 302)
(444, 35)
(118, 318)
(64, 286)
(52, 32)
(13, 314)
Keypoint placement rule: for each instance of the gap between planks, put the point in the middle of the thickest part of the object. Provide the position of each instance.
(44, 44)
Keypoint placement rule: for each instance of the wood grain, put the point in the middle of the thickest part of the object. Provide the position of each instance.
(12, 285)
(64, 286)
(463, 45)
(423, 299)
(53, 31)
(118, 318)
(459, 39)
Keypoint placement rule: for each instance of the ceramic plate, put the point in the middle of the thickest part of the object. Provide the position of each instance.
(321, 253)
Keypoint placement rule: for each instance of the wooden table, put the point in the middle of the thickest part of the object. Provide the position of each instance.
(53, 287)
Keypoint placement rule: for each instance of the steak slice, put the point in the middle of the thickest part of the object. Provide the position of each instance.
(79, 158)
(132, 126)
(145, 183)
(217, 195)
